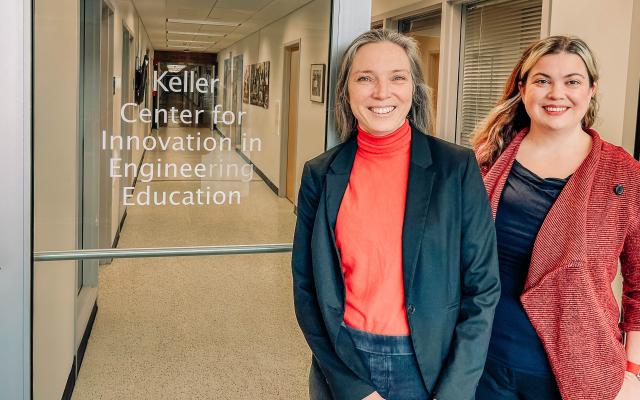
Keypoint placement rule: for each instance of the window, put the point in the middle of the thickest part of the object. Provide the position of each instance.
(425, 29)
(494, 35)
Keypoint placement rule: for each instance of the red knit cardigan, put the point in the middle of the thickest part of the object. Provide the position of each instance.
(594, 222)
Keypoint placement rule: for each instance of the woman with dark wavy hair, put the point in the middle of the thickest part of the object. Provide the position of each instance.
(394, 261)
(567, 209)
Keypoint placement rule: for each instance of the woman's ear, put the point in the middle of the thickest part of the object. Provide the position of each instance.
(521, 88)
(594, 89)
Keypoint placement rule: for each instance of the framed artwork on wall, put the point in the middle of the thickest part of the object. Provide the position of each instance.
(317, 83)
(259, 90)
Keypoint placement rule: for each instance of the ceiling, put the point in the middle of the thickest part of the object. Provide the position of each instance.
(251, 15)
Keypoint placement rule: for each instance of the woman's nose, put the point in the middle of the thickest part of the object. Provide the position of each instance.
(381, 90)
(556, 91)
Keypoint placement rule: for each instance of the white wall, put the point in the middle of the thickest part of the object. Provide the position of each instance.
(633, 82)
(56, 86)
(607, 27)
(310, 25)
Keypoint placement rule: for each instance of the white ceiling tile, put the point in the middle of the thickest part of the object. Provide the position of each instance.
(231, 15)
(252, 14)
(247, 5)
(198, 4)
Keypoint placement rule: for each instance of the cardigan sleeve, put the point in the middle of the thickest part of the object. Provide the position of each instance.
(630, 265)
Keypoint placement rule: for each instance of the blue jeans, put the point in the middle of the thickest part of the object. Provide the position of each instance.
(392, 363)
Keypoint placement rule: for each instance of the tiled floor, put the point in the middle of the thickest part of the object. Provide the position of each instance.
(220, 327)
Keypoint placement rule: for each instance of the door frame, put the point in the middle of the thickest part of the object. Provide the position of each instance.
(284, 111)
(16, 267)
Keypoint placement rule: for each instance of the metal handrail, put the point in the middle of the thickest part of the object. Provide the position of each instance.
(161, 252)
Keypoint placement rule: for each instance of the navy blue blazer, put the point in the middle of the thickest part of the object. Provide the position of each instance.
(449, 260)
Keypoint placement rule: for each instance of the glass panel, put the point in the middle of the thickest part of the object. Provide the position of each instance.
(166, 124)
(185, 122)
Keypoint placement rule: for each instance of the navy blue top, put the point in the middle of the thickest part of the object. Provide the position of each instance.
(525, 202)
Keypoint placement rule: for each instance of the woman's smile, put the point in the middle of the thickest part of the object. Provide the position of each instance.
(382, 110)
(555, 110)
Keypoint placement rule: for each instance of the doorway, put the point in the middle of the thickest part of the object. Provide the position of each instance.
(236, 102)
(292, 86)
(106, 122)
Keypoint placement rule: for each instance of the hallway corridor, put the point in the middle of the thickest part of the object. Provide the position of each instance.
(218, 327)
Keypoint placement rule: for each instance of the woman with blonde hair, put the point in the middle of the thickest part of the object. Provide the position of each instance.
(567, 208)
(395, 272)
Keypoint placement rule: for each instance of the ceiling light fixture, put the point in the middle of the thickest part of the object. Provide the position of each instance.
(190, 41)
(185, 47)
(195, 33)
(201, 22)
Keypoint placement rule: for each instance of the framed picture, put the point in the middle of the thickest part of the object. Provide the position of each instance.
(317, 83)
(259, 90)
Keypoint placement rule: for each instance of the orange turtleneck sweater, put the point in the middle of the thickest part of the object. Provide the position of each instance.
(369, 233)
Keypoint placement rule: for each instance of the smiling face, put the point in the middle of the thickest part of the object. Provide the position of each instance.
(380, 87)
(557, 92)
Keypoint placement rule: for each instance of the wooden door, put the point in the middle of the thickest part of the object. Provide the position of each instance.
(292, 136)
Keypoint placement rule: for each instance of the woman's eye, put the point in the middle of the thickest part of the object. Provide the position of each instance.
(574, 82)
(541, 81)
(363, 79)
(399, 78)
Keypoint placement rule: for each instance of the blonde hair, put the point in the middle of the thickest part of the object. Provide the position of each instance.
(509, 116)
(421, 106)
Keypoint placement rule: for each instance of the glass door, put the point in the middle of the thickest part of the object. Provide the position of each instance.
(162, 244)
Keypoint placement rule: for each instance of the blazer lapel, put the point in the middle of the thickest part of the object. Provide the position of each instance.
(419, 188)
(337, 179)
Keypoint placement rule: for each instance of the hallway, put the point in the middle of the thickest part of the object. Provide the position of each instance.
(219, 327)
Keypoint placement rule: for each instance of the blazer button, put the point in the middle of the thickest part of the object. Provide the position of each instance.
(411, 308)
(619, 189)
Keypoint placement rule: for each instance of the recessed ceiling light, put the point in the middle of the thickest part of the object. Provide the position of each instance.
(189, 41)
(190, 47)
(202, 22)
(195, 33)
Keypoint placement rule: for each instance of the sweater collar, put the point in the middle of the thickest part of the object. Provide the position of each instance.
(397, 140)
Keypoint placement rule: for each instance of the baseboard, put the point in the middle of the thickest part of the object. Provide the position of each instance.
(119, 230)
(135, 178)
(87, 333)
(260, 173)
(71, 380)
